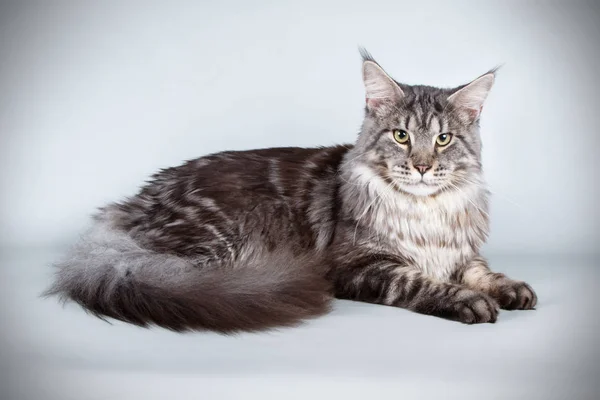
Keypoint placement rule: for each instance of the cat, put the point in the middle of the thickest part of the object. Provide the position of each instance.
(252, 240)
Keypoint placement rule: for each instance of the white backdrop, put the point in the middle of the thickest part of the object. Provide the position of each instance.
(96, 96)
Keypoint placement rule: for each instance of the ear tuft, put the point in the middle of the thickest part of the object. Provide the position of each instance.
(379, 86)
(364, 53)
(468, 100)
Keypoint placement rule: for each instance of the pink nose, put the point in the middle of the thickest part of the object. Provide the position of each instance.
(422, 168)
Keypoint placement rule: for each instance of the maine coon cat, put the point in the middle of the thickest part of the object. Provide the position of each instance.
(249, 240)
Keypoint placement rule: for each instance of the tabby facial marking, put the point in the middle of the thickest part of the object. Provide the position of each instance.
(424, 140)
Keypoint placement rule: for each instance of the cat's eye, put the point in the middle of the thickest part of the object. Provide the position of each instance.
(443, 139)
(400, 136)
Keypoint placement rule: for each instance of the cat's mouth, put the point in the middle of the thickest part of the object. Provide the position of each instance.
(419, 187)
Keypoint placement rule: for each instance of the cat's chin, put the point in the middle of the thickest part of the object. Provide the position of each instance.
(420, 189)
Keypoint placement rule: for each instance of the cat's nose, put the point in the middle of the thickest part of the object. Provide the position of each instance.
(422, 168)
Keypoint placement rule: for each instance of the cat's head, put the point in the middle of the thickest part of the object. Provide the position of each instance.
(421, 140)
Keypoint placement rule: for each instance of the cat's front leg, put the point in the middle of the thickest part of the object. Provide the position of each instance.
(383, 279)
(509, 293)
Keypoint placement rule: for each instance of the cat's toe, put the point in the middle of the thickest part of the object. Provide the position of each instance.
(515, 295)
(477, 308)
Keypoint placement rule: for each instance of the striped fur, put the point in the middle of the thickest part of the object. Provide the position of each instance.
(257, 239)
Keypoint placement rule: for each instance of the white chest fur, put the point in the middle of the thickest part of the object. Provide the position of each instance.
(434, 238)
(436, 234)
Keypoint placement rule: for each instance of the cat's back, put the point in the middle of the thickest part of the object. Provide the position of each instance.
(271, 171)
(235, 191)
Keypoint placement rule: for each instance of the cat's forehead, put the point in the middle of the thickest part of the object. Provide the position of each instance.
(424, 109)
(421, 110)
(424, 98)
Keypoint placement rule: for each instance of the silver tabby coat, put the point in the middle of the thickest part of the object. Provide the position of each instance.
(257, 239)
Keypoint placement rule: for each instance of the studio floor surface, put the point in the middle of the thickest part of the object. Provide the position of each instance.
(359, 351)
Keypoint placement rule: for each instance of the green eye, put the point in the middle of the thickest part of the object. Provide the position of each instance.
(443, 139)
(400, 136)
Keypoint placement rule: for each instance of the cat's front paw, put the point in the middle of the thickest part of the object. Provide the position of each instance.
(473, 307)
(515, 295)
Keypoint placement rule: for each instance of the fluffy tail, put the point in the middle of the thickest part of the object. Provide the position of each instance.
(110, 275)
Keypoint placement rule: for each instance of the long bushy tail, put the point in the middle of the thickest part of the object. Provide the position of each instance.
(110, 275)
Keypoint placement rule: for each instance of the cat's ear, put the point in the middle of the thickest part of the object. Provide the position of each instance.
(380, 88)
(468, 100)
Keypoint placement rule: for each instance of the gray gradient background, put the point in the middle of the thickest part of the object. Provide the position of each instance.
(95, 96)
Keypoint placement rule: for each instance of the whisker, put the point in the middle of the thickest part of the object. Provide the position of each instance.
(352, 183)
(469, 200)
(465, 180)
(378, 196)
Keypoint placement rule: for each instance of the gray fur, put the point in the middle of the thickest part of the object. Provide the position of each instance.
(252, 240)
